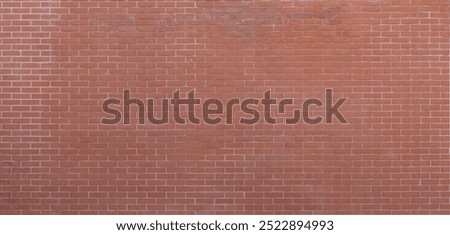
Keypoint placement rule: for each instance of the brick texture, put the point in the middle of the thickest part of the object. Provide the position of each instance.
(59, 60)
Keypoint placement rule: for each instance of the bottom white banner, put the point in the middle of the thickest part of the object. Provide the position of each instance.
(224, 224)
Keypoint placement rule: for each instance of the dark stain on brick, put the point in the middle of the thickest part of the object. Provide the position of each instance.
(329, 14)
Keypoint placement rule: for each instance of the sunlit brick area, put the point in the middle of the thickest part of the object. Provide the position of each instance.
(60, 60)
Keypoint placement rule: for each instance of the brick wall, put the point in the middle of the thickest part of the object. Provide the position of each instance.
(59, 60)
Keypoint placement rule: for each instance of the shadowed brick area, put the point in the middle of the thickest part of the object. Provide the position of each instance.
(59, 60)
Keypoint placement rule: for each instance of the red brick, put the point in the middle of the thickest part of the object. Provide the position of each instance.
(61, 59)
